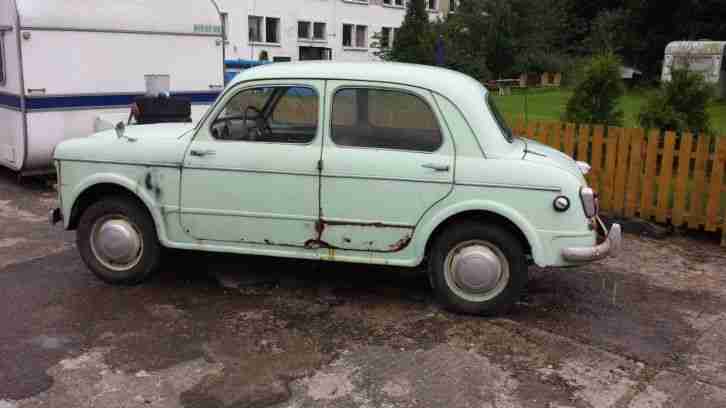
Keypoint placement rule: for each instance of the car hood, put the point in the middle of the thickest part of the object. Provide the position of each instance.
(160, 144)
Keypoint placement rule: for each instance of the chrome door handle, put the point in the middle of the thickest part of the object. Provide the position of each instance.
(202, 153)
(437, 167)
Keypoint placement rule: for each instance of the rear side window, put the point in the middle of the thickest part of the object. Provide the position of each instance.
(385, 119)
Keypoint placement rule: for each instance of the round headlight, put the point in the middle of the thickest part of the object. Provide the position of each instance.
(561, 204)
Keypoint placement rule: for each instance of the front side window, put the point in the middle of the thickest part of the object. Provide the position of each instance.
(384, 119)
(285, 114)
(431, 4)
(255, 31)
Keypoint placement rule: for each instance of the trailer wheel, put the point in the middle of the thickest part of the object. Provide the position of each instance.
(117, 241)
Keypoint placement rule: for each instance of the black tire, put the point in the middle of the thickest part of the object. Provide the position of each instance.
(133, 212)
(501, 238)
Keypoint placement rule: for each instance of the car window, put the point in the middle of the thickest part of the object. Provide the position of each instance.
(283, 114)
(499, 119)
(388, 119)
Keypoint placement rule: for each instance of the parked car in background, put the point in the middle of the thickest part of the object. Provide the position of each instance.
(376, 163)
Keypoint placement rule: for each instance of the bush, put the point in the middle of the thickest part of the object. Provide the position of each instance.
(679, 105)
(597, 92)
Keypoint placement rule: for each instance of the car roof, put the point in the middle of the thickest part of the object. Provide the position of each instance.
(443, 81)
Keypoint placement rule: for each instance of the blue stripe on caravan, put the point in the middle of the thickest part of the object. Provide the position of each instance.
(10, 100)
(94, 101)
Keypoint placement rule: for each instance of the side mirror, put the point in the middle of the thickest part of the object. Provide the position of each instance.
(120, 129)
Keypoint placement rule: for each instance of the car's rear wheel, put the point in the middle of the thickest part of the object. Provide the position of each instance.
(117, 240)
(477, 268)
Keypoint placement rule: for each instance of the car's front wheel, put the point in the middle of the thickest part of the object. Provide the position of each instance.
(477, 268)
(117, 240)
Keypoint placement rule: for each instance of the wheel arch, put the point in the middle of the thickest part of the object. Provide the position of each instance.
(487, 212)
(91, 190)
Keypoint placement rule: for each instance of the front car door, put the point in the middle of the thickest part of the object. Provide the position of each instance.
(387, 159)
(250, 175)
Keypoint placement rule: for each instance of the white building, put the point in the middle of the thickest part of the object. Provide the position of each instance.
(292, 30)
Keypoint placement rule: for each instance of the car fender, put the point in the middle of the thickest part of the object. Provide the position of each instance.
(134, 187)
(429, 224)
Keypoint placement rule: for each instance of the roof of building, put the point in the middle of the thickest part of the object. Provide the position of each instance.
(440, 80)
(196, 17)
(696, 48)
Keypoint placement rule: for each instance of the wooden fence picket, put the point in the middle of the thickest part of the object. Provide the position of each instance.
(651, 157)
(635, 173)
(695, 209)
(621, 172)
(665, 178)
(555, 136)
(713, 210)
(681, 190)
(608, 177)
(569, 140)
(596, 159)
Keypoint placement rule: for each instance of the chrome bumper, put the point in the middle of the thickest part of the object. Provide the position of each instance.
(609, 246)
(55, 216)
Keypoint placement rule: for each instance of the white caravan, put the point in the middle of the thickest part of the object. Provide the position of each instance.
(705, 57)
(64, 64)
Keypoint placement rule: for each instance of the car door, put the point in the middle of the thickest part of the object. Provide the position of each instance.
(251, 174)
(387, 158)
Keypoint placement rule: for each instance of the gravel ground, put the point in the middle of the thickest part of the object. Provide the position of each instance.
(646, 329)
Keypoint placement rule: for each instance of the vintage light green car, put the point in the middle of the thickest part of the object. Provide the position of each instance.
(376, 163)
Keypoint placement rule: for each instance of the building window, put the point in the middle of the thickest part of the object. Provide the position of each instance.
(386, 37)
(255, 24)
(347, 35)
(272, 29)
(431, 4)
(303, 29)
(319, 31)
(384, 119)
(397, 3)
(453, 6)
(355, 36)
(361, 35)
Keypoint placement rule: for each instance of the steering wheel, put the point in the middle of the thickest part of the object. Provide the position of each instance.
(261, 125)
(225, 132)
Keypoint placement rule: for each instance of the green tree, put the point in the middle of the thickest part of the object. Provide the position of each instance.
(597, 93)
(414, 42)
(679, 104)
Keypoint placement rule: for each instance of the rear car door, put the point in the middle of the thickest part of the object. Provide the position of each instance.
(387, 159)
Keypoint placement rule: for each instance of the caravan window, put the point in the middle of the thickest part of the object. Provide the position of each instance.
(2, 57)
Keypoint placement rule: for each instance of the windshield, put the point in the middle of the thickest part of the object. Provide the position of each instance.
(506, 131)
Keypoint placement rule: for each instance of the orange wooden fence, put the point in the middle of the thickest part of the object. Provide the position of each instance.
(656, 176)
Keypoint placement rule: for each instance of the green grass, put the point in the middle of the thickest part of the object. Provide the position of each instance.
(549, 105)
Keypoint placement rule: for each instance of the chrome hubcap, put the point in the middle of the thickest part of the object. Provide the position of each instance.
(476, 270)
(116, 243)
